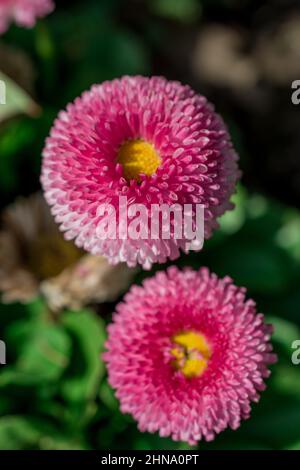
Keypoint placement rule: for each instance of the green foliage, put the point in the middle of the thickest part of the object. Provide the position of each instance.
(54, 370)
(182, 10)
(87, 333)
(19, 432)
(42, 357)
(17, 100)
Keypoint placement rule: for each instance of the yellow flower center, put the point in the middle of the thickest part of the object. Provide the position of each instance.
(138, 157)
(191, 352)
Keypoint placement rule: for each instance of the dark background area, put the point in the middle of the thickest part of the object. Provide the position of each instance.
(106, 39)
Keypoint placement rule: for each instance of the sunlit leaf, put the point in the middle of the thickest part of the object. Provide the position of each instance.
(17, 100)
(285, 332)
(43, 354)
(86, 368)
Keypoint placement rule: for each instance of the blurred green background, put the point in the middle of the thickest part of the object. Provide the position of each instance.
(243, 55)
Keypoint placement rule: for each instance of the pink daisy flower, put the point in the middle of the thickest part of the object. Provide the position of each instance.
(187, 354)
(23, 12)
(149, 139)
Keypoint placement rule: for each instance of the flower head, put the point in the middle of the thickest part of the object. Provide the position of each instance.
(187, 354)
(23, 12)
(149, 139)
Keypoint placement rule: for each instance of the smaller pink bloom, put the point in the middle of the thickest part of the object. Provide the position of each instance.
(23, 12)
(187, 354)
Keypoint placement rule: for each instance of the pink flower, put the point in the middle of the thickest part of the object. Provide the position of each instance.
(23, 12)
(187, 354)
(149, 139)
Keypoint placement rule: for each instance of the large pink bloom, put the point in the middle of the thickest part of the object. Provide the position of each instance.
(187, 354)
(23, 12)
(149, 139)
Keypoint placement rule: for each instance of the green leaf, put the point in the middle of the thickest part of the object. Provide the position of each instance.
(42, 356)
(107, 396)
(287, 379)
(18, 433)
(83, 376)
(17, 100)
(285, 332)
(182, 10)
(6, 403)
(288, 236)
(26, 433)
(233, 220)
(295, 446)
